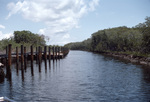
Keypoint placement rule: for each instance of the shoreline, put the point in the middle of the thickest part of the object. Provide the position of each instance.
(135, 59)
(129, 57)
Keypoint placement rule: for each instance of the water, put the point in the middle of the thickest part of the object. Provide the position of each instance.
(80, 77)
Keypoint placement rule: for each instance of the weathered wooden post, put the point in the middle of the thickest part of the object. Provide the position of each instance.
(32, 53)
(6, 57)
(49, 53)
(17, 55)
(17, 59)
(36, 54)
(62, 50)
(2, 75)
(59, 52)
(45, 52)
(8, 73)
(56, 52)
(39, 57)
(32, 72)
(53, 53)
(45, 57)
(22, 62)
(49, 56)
(40, 54)
(22, 57)
(25, 59)
(9, 55)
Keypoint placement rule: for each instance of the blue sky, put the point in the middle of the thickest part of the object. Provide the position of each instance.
(65, 21)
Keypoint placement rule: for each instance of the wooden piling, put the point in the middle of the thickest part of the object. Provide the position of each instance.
(39, 57)
(25, 59)
(56, 52)
(39, 54)
(49, 53)
(36, 54)
(17, 60)
(32, 53)
(62, 51)
(45, 66)
(8, 73)
(53, 53)
(32, 72)
(6, 58)
(17, 55)
(45, 52)
(22, 57)
(49, 56)
(9, 55)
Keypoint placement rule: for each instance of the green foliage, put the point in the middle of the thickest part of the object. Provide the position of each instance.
(84, 45)
(144, 28)
(26, 38)
(29, 37)
(119, 39)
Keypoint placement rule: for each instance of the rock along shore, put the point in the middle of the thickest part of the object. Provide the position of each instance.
(132, 58)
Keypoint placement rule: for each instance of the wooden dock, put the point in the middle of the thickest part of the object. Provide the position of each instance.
(22, 56)
(52, 53)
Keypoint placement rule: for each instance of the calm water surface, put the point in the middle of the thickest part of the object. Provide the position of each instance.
(80, 77)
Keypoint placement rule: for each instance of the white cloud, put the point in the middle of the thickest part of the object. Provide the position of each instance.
(3, 36)
(66, 36)
(59, 16)
(2, 26)
(93, 4)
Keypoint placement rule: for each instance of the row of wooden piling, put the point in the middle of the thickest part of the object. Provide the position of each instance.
(38, 55)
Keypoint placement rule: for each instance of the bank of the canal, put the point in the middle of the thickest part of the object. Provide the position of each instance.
(80, 77)
(135, 59)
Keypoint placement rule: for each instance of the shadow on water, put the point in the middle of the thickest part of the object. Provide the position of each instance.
(45, 66)
(32, 69)
(146, 73)
(145, 85)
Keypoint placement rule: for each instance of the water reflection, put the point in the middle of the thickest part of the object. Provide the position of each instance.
(146, 73)
(17, 68)
(45, 66)
(39, 66)
(49, 64)
(32, 70)
(2, 75)
(22, 72)
(80, 77)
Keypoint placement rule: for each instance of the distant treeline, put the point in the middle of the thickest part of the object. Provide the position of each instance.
(119, 39)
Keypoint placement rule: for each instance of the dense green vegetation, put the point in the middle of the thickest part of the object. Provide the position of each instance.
(119, 39)
(26, 38)
(29, 37)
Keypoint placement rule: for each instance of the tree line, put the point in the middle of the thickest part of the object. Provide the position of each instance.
(118, 39)
(24, 37)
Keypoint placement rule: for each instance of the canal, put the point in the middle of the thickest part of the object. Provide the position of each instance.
(79, 77)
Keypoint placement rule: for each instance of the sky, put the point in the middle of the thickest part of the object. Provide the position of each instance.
(65, 21)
